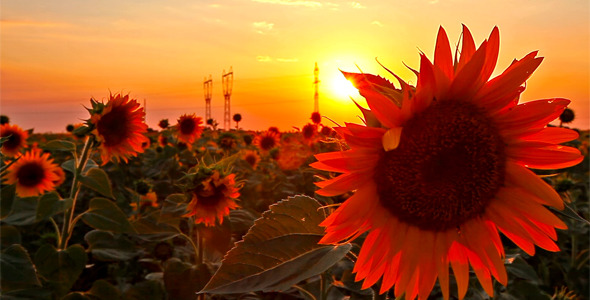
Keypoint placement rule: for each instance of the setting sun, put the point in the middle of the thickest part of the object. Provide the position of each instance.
(342, 88)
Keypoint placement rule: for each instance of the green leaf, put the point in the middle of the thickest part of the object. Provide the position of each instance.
(7, 195)
(60, 145)
(148, 228)
(107, 246)
(568, 211)
(30, 293)
(16, 269)
(173, 208)
(520, 268)
(24, 211)
(99, 181)
(9, 235)
(183, 280)
(280, 250)
(103, 290)
(50, 204)
(60, 268)
(104, 214)
(145, 290)
(70, 166)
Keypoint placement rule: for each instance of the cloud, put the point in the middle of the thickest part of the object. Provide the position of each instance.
(287, 60)
(263, 58)
(357, 5)
(262, 27)
(377, 23)
(306, 3)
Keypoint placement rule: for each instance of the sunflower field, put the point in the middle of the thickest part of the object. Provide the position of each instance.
(431, 197)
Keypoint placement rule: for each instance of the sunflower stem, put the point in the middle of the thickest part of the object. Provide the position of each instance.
(74, 191)
(57, 231)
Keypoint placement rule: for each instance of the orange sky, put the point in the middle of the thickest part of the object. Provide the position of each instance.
(57, 54)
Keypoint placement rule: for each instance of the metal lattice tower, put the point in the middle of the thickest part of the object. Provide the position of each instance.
(316, 95)
(227, 80)
(208, 88)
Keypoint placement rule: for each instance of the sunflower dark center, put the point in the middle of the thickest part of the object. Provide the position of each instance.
(448, 166)
(13, 141)
(212, 196)
(30, 174)
(267, 142)
(114, 126)
(187, 126)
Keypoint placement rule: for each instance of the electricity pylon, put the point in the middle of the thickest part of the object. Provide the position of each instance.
(208, 88)
(316, 95)
(227, 80)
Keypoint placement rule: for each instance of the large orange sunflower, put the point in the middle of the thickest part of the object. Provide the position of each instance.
(34, 174)
(189, 128)
(17, 139)
(120, 128)
(213, 198)
(438, 170)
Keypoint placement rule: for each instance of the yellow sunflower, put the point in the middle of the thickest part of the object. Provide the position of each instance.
(189, 128)
(34, 174)
(17, 139)
(213, 198)
(440, 169)
(119, 128)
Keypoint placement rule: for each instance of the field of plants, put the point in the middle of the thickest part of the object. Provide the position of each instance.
(127, 229)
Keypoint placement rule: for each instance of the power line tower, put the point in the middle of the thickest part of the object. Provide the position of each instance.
(208, 88)
(316, 95)
(227, 80)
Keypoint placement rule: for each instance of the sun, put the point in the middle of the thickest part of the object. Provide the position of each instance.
(342, 87)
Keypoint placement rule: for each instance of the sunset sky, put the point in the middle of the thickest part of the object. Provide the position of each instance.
(56, 55)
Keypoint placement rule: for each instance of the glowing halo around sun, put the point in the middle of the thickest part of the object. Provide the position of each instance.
(342, 88)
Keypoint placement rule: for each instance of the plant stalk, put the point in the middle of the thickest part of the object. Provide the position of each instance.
(66, 231)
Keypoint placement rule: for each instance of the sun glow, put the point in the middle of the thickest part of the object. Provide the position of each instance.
(343, 88)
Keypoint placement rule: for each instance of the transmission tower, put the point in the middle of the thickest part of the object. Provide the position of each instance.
(316, 95)
(227, 80)
(208, 88)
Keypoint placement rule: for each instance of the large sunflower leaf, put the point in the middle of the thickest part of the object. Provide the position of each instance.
(104, 214)
(16, 269)
(98, 180)
(60, 145)
(60, 268)
(280, 250)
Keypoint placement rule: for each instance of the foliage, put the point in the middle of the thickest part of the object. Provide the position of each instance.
(118, 231)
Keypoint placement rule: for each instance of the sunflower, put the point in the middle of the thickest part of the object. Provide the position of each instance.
(267, 140)
(440, 169)
(309, 131)
(251, 157)
(17, 139)
(189, 128)
(119, 127)
(213, 198)
(34, 174)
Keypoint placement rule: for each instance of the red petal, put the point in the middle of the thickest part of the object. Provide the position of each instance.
(443, 57)
(467, 49)
(545, 158)
(508, 82)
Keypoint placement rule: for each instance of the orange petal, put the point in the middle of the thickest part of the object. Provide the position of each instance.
(507, 82)
(545, 158)
(527, 179)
